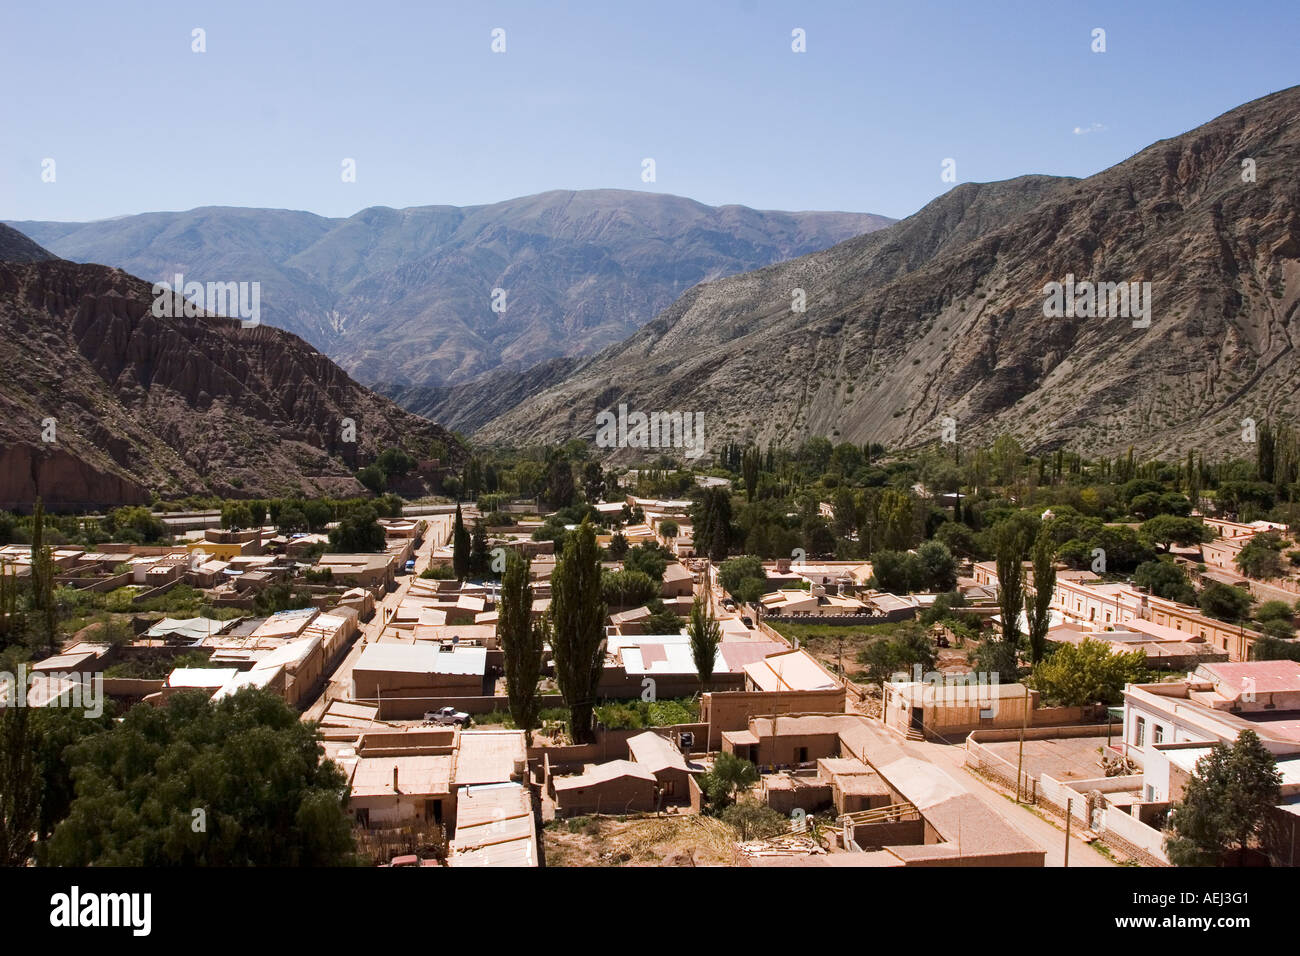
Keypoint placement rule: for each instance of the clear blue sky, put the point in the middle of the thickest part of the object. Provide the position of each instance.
(135, 121)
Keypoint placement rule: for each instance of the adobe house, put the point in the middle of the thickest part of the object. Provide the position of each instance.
(405, 680)
(619, 786)
(787, 740)
(399, 778)
(671, 771)
(945, 706)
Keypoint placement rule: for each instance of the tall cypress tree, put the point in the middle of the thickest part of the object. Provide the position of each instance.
(460, 546)
(522, 643)
(578, 623)
(1011, 581)
(1037, 606)
(705, 635)
(43, 577)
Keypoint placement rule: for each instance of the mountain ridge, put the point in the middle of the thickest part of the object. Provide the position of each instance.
(941, 315)
(405, 297)
(106, 404)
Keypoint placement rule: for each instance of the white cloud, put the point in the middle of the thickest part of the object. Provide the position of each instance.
(1085, 130)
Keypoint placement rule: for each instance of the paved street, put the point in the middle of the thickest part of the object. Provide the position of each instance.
(340, 682)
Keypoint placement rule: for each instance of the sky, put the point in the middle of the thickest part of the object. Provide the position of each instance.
(713, 92)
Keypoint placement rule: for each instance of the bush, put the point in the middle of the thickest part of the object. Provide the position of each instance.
(754, 820)
(1088, 673)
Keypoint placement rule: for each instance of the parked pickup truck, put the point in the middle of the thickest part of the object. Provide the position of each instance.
(447, 716)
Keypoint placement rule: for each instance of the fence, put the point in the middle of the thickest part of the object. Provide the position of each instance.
(989, 764)
(1124, 832)
(1113, 825)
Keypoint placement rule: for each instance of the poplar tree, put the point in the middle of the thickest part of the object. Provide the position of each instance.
(705, 635)
(522, 641)
(578, 627)
(1037, 605)
(1011, 584)
(460, 547)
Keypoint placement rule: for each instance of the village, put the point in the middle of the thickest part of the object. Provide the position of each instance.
(781, 753)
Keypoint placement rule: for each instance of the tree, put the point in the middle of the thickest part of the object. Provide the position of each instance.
(1225, 603)
(1261, 557)
(460, 545)
(1166, 530)
(560, 489)
(888, 656)
(1225, 804)
(1037, 605)
(711, 521)
(957, 537)
(358, 532)
(255, 771)
(522, 642)
(578, 619)
(938, 566)
(754, 819)
(1010, 550)
(236, 515)
(618, 546)
(1275, 611)
(480, 559)
(898, 572)
(749, 468)
(729, 774)
(21, 785)
(43, 570)
(1164, 579)
(373, 479)
(661, 619)
(1087, 673)
(744, 577)
(395, 461)
(627, 588)
(136, 520)
(291, 519)
(648, 558)
(705, 635)
(593, 482)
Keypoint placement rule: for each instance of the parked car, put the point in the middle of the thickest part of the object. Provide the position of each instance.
(447, 716)
(747, 621)
(410, 566)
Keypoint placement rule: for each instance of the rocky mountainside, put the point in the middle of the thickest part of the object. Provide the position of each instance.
(404, 297)
(101, 403)
(943, 314)
(15, 247)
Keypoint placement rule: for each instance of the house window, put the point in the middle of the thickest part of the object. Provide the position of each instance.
(670, 787)
(1139, 732)
(1157, 734)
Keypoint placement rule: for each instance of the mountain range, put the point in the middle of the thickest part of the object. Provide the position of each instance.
(103, 403)
(944, 315)
(435, 296)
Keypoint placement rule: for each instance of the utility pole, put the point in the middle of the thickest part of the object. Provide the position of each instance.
(1069, 806)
